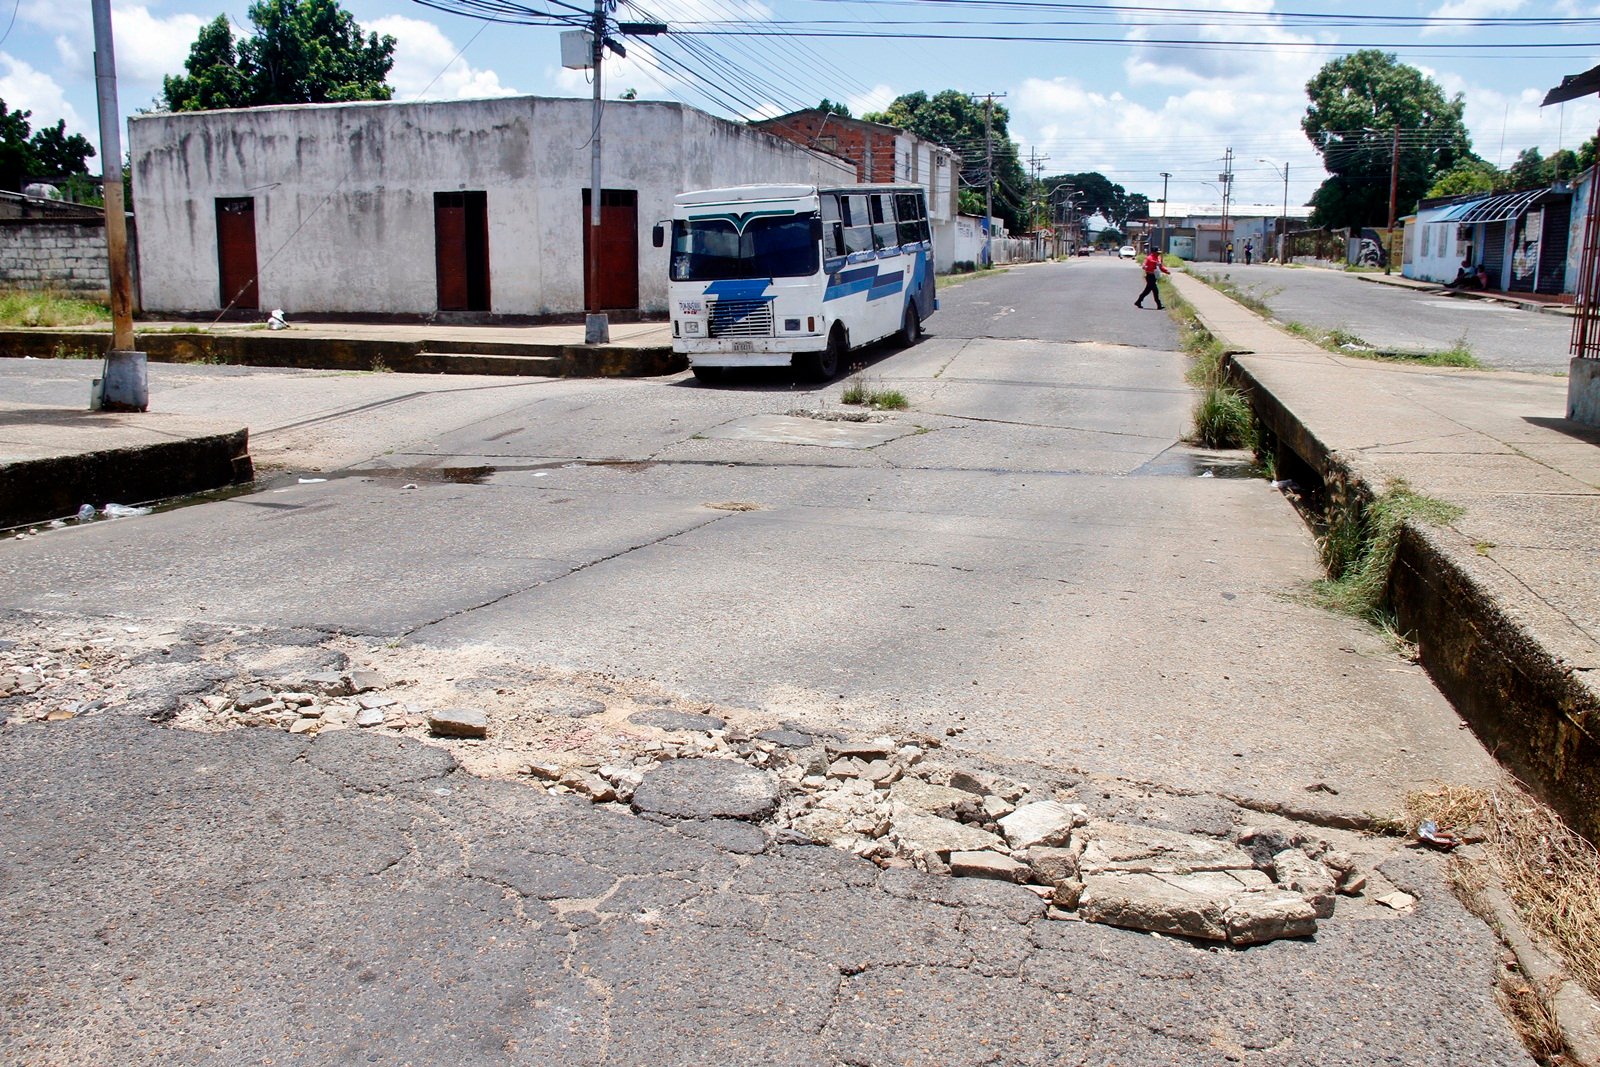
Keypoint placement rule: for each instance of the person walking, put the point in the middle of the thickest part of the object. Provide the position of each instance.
(1249, 252)
(1152, 263)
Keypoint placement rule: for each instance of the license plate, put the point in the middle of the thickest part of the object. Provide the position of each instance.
(744, 346)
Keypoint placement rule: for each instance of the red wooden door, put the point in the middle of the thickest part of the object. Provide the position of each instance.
(619, 251)
(236, 252)
(461, 250)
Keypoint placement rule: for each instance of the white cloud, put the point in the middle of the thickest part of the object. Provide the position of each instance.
(426, 65)
(25, 88)
(1470, 9)
(148, 46)
(875, 99)
(1504, 123)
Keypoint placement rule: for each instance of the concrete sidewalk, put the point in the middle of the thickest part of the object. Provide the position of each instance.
(1505, 600)
(635, 349)
(1526, 301)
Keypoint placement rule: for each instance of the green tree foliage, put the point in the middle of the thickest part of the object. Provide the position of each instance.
(302, 52)
(1100, 196)
(955, 120)
(833, 108)
(49, 152)
(1357, 103)
(1468, 176)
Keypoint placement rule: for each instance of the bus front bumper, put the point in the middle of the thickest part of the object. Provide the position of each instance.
(737, 352)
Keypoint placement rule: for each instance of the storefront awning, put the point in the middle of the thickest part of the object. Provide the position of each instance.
(1501, 208)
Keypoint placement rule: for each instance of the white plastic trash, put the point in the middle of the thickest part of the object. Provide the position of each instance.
(87, 513)
(122, 511)
(276, 321)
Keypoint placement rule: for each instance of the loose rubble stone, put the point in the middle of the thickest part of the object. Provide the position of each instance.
(328, 683)
(664, 719)
(1397, 900)
(925, 798)
(252, 698)
(997, 807)
(707, 789)
(459, 722)
(987, 865)
(1267, 915)
(865, 751)
(848, 767)
(370, 717)
(928, 833)
(548, 771)
(1053, 866)
(1044, 823)
(1146, 849)
(1301, 874)
(786, 738)
(592, 786)
(1150, 902)
(969, 782)
(369, 701)
(366, 681)
(300, 726)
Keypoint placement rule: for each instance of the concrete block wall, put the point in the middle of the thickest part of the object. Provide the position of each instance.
(67, 255)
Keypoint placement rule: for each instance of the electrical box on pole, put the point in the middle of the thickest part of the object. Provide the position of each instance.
(577, 50)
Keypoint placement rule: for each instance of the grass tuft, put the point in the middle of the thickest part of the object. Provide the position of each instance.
(1222, 417)
(857, 392)
(27, 307)
(1358, 548)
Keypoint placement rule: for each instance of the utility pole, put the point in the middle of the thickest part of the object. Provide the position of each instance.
(988, 175)
(1394, 194)
(1283, 242)
(125, 383)
(1226, 178)
(1165, 177)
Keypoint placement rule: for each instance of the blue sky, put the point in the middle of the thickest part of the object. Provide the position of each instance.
(1130, 109)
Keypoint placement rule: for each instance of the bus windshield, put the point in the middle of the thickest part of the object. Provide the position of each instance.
(706, 250)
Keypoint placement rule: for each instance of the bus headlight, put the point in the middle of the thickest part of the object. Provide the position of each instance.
(691, 329)
(792, 325)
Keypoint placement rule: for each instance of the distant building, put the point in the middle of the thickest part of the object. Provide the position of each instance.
(1199, 231)
(882, 153)
(473, 210)
(1526, 241)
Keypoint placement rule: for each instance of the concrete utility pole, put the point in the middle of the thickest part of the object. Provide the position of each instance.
(1226, 178)
(596, 324)
(1283, 219)
(988, 174)
(1165, 177)
(124, 384)
(1394, 194)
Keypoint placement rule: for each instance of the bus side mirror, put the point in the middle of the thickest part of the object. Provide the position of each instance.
(657, 236)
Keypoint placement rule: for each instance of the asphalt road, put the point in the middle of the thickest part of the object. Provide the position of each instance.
(1392, 317)
(1027, 563)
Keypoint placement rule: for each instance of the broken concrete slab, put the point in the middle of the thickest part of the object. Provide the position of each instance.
(1165, 905)
(929, 833)
(707, 789)
(915, 796)
(1267, 915)
(1301, 874)
(1045, 822)
(1144, 849)
(987, 865)
(459, 722)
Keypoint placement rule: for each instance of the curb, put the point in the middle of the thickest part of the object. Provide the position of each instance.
(1470, 294)
(38, 490)
(285, 349)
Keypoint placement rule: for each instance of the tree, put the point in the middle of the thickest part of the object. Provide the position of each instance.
(1358, 102)
(834, 109)
(1528, 170)
(302, 52)
(955, 120)
(49, 152)
(1100, 196)
(1469, 176)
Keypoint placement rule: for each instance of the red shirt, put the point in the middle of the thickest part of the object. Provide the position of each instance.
(1152, 263)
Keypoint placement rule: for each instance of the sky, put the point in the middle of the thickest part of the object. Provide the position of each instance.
(1167, 89)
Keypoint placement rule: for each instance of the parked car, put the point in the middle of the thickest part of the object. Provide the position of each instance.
(1085, 250)
(1127, 252)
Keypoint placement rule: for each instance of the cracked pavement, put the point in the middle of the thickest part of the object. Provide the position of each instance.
(1034, 572)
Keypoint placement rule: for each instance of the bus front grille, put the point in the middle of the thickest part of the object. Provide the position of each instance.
(741, 318)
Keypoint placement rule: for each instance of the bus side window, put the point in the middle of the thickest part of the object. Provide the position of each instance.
(883, 230)
(832, 228)
(913, 222)
(858, 227)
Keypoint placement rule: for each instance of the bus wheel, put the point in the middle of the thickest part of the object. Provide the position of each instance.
(911, 329)
(824, 366)
(707, 375)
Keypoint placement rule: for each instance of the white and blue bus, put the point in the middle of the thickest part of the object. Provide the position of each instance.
(774, 275)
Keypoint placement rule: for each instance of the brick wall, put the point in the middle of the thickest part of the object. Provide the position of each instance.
(870, 149)
(64, 254)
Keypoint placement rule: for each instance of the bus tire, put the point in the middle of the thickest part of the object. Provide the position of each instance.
(707, 375)
(911, 329)
(824, 366)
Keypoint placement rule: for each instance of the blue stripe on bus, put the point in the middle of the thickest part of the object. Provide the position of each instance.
(739, 288)
(851, 281)
(887, 285)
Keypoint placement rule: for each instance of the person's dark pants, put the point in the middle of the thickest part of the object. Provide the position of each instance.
(1149, 290)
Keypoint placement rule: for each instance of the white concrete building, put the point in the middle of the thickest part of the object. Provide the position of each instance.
(470, 207)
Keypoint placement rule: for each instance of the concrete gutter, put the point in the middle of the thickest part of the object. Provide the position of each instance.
(53, 461)
(1505, 602)
(538, 351)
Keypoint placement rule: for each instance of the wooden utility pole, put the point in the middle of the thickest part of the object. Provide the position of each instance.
(124, 384)
(988, 175)
(1165, 177)
(1394, 196)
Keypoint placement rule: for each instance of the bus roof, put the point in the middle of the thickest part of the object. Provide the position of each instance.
(739, 193)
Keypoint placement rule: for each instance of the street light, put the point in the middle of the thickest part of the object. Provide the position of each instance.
(1283, 220)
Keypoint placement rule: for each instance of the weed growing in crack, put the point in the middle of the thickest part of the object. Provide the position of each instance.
(856, 392)
(1358, 548)
(1222, 417)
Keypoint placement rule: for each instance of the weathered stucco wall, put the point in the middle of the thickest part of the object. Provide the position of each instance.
(344, 195)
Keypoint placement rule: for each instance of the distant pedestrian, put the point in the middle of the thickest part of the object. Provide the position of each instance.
(1249, 252)
(1152, 263)
(1228, 254)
